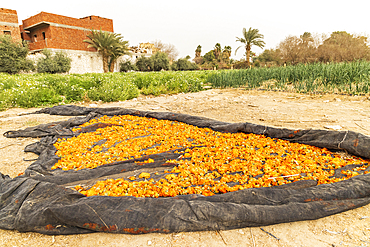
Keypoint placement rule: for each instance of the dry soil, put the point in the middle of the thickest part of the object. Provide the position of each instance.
(279, 109)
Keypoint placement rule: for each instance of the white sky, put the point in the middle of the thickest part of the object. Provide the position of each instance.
(187, 24)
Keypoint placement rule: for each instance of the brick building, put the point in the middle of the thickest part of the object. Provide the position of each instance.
(9, 23)
(46, 30)
(58, 33)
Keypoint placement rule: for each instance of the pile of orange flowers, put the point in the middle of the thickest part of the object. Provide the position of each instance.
(213, 162)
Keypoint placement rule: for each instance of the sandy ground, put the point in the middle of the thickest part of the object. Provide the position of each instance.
(288, 110)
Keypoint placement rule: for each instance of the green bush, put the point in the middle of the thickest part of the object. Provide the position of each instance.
(144, 64)
(53, 64)
(126, 66)
(160, 61)
(183, 64)
(13, 56)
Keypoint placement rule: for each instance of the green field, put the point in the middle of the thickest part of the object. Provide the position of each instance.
(348, 78)
(34, 90)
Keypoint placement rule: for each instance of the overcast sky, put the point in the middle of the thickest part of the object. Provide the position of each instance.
(187, 24)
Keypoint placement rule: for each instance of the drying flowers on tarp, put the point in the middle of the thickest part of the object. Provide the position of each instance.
(129, 171)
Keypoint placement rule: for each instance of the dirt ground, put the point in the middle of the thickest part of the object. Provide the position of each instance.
(286, 110)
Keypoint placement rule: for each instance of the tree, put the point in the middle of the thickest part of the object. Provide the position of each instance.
(226, 53)
(198, 58)
(269, 57)
(160, 61)
(144, 64)
(289, 49)
(53, 64)
(209, 56)
(342, 46)
(217, 51)
(198, 51)
(183, 64)
(250, 38)
(126, 66)
(116, 52)
(169, 49)
(302, 49)
(109, 45)
(13, 56)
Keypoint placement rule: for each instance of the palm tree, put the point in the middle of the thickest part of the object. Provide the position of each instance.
(226, 53)
(109, 45)
(117, 51)
(252, 37)
(217, 51)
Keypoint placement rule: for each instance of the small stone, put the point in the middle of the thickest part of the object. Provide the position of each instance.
(326, 101)
(93, 105)
(334, 127)
(149, 242)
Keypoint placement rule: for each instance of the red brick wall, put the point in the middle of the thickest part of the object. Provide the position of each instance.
(10, 16)
(59, 38)
(63, 37)
(96, 22)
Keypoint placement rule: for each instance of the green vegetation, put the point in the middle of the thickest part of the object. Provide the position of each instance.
(217, 58)
(33, 90)
(109, 45)
(183, 64)
(13, 56)
(126, 66)
(346, 77)
(53, 64)
(307, 48)
(250, 38)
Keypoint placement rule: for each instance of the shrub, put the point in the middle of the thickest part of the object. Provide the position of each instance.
(126, 66)
(57, 63)
(160, 61)
(144, 64)
(183, 64)
(13, 56)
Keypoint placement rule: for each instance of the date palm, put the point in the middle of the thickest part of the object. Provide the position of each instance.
(250, 38)
(117, 51)
(109, 45)
(226, 53)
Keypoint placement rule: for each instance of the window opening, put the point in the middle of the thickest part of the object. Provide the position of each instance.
(43, 35)
(7, 33)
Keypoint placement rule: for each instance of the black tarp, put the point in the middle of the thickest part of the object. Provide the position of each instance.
(41, 200)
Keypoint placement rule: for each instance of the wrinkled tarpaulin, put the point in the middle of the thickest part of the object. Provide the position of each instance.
(41, 201)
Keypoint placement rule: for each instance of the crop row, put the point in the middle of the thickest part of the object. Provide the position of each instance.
(348, 78)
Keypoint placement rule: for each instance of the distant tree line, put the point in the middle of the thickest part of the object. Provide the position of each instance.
(340, 46)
